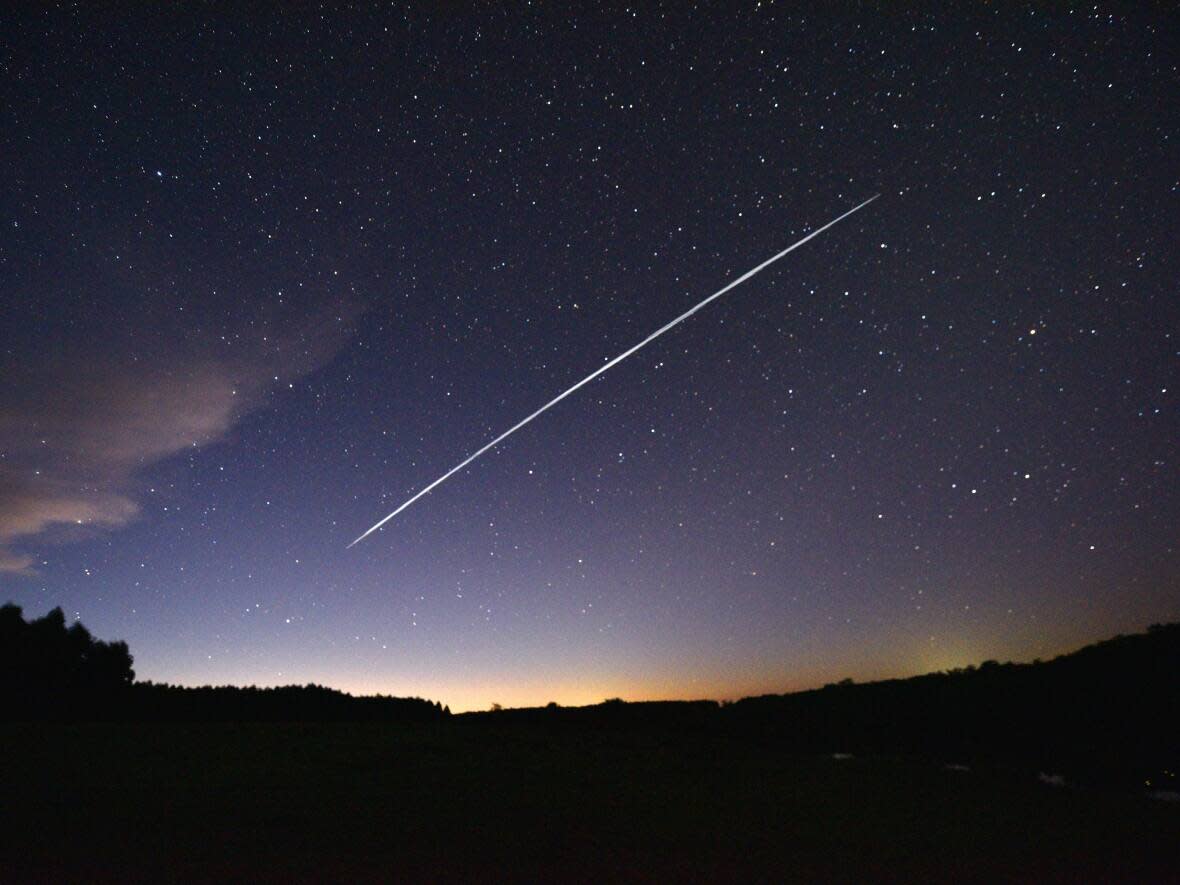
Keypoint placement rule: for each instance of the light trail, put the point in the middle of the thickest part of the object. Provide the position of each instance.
(622, 356)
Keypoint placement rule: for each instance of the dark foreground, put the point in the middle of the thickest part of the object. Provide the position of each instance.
(461, 801)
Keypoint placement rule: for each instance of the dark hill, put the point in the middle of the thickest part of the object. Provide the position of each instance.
(1097, 712)
(1094, 714)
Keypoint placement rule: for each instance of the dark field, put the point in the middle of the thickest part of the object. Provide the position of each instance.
(468, 800)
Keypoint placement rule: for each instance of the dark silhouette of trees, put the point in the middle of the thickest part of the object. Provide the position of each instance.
(51, 671)
(48, 670)
(1096, 712)
(287, 703)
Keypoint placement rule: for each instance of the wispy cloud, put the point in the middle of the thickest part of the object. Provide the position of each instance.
(77, 424)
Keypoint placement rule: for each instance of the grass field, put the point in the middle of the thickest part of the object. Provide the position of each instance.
(467, 801)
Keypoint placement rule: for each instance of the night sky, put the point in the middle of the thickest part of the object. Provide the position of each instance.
(263, 277)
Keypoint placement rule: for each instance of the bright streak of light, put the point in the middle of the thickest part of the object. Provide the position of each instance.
(622, 356)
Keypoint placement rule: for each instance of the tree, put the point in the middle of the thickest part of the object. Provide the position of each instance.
(49, 670)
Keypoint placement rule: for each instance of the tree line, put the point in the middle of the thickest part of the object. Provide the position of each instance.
(51, 671)
(1098, 714)
(1099, 711)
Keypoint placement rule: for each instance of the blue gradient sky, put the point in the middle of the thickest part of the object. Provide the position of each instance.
(264, 279)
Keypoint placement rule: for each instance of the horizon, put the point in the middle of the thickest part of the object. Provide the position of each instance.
(587, 697)
(590, 697)
(266, 277)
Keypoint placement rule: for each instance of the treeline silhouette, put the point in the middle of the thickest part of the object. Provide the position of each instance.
(1097, 714)
(304, 703)
(47, 669)
(51, 671)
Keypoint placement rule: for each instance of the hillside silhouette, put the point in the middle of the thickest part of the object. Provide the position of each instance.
(1094, 714)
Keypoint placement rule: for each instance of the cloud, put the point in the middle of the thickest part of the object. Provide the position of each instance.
(15, 563)
(82, 419)
(27, 508)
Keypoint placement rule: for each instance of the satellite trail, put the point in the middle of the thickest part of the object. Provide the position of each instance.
(622, 356)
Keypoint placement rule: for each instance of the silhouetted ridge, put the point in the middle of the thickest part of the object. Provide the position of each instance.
(49, 671)
(1098, 710)
(680, 717)
(1095, 714)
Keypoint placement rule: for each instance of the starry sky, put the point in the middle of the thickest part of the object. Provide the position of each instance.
(264, 275)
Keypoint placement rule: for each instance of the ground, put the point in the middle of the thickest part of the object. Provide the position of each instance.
(460, 801)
